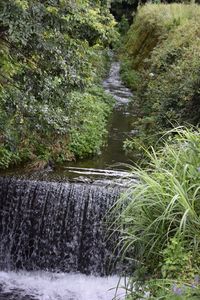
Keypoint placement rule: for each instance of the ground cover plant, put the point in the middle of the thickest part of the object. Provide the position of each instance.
(160, 221)
(50, 53)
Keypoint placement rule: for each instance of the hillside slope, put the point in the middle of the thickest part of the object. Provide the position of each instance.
(161, 61)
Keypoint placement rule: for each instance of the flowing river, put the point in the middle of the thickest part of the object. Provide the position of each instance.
(53, 240)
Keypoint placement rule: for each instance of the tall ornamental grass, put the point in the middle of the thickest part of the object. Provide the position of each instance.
(164, 206)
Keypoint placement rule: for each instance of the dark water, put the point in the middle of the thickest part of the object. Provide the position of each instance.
(53, 240)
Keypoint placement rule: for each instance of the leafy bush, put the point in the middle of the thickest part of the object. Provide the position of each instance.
(6, 157)
(48, 49)
(88, 129)
(129, 76)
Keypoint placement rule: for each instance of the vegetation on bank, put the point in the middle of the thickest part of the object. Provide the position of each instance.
(161, 62)
(160, 214)
(160, 222)
(53, 57)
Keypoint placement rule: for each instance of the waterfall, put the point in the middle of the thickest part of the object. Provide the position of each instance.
(55, 226)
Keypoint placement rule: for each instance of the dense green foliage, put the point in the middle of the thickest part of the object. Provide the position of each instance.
(129, 75)
(162, 49)
(50, 53)
(160, 221)
(87, 139)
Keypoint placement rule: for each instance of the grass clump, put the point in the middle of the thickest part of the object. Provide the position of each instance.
(160, 222)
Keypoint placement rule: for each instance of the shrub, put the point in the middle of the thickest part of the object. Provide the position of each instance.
(90, 111)
(48, 50)
(129, 76)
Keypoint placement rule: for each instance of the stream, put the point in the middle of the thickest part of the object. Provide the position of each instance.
(112, 156)
(52, 235)
(120, 124)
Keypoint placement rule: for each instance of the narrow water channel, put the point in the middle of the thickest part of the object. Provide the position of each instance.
(119, 128)
(120, 125)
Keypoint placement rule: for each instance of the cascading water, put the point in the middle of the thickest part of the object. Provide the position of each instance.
(55, 226)
(53, 243)
(51, 227)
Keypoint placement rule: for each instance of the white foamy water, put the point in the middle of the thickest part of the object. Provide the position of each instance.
(52, 286)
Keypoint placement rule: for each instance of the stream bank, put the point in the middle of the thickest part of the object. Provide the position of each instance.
(112, 155)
